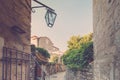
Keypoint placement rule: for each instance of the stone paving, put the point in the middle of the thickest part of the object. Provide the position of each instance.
(57, 76)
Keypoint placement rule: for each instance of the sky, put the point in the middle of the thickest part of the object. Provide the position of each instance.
(74, 17)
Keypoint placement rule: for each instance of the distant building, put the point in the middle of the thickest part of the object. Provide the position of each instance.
(44, 42)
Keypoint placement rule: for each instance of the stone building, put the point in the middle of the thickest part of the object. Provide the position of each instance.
(15, 19)
(44, 42)
(106, 39)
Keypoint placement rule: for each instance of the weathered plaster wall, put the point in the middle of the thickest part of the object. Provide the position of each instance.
(106, 39)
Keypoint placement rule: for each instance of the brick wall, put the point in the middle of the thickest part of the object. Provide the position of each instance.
(106, 39)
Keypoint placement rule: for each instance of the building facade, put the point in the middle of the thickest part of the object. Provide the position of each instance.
(106, 39)
(44, 42)
(15, 19)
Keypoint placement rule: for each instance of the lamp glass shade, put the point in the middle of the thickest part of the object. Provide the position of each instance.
(50, 18)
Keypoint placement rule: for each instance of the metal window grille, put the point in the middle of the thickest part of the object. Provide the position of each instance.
(17, 65)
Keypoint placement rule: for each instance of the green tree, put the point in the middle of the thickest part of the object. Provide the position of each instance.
(80, 52)
(73, 43)
(86, 39)
(76, 42)
(43, 52)
(54, 58)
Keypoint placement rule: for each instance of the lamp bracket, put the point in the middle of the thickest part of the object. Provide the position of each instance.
(43, 5)
(37, 7)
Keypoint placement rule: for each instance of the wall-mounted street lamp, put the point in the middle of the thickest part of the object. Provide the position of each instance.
(50, 18)
(50, 15)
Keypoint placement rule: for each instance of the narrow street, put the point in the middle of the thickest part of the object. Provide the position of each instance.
(57, 76)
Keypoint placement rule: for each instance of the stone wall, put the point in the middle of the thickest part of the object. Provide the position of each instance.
(15, 13)
(79, 75)
(106, 18)
(54, 68)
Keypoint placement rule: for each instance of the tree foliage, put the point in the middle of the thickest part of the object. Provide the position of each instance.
(43, 52)
(54, 58)
(73, 43)
(77, 42)
(80, 52)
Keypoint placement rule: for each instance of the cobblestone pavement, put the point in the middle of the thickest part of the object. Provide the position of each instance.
(57, 76)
